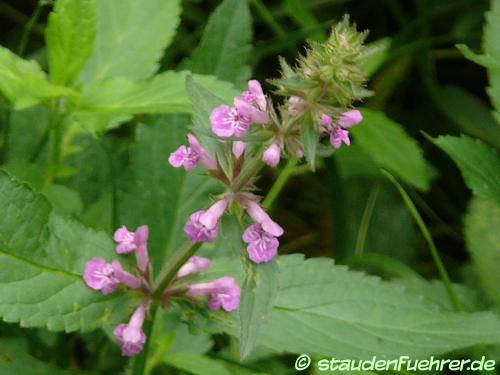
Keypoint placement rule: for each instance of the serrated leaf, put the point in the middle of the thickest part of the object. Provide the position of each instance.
(491, 46)
(479, 164)
(42, 257)
(165, 93)
(156, 193)
(15, 361)
(196, 364)
(258, 294)
(24, 83)
(470, 114)
(70, 37)
(25, 132)
(483, 242)
(225, 46)
(130, 39)
(390, 147)
(204, 101)
(329, 311)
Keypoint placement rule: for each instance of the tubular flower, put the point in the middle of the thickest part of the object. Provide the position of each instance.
(189, 157)
(228, 121)
(131, 336)
(271, 155)
(194, 265)
(262, 246)
(106, 277)
(202, 226)
(222, 293)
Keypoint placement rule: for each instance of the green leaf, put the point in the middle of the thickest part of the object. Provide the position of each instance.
(470, 114)
(42, 257)
(24, 83)
(479, 164)
(309, 136)
(258, 294)
(483, 242)
(158, 194)
(491, 47)
(374, 55)
(26, 130)
(130, 38)
(300, 12)
(326, 310)
(390, 147)
(70, 37)
(225, 46)
(196, 364)
(64, 200)
(15, 361)
(165, 93)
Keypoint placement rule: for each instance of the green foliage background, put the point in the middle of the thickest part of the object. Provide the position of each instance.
(413, 203)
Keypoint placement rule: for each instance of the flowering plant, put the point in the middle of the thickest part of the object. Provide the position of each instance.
(148, 224)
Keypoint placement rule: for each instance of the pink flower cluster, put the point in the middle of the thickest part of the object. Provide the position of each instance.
(106, 277)
(222, 293)
(261, 237)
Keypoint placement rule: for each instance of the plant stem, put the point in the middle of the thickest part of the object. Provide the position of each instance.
(455, 301)
(56, 144)
(268, 18)
(249, 171)
(285, 174)
(168, 272)
(28, 26)
(366, 219)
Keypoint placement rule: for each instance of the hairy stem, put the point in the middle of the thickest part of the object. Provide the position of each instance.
(168, 272)
(285, 174)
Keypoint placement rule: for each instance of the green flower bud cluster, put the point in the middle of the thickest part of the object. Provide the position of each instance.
(329, 74)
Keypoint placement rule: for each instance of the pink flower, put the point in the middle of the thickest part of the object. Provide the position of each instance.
(202, 226)
(194, 265)
(339, 135)
(190, 157)
(238, 148)
(262, 246)
(227, 122)
(131, 336)
(134, 241)
(196, 231)
(326, 122)
(99, 275)
(271, 155)
(106, 277)
(350, 118)
(338, 132)
(222, 293)
(261, 217)
(253, 104)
